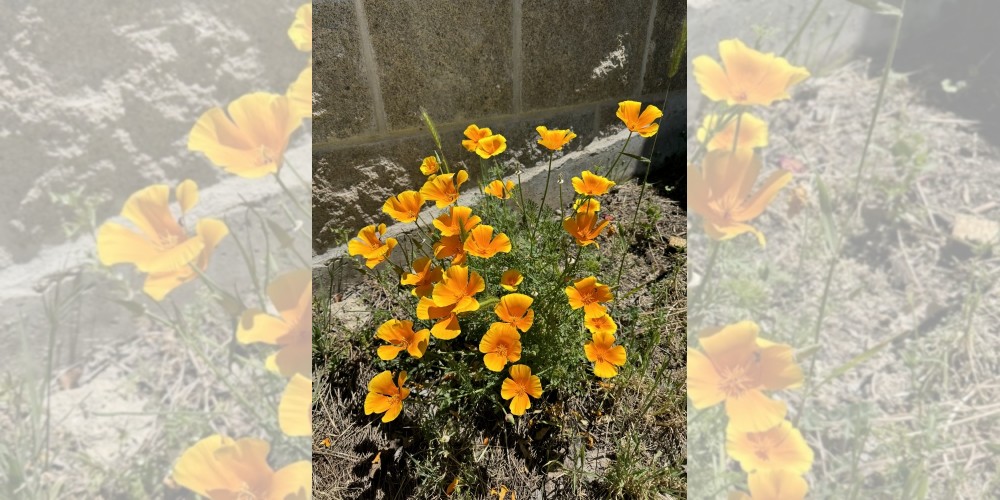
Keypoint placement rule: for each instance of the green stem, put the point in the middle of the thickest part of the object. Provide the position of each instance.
(802, 28)
(713, 255)
(545, 194)
(881, 94)
(288, 192)
(611, 170)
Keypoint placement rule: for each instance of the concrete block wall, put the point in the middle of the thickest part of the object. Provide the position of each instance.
(507, 64)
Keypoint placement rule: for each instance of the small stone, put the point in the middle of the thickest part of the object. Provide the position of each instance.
(975, 230)
(677, 242)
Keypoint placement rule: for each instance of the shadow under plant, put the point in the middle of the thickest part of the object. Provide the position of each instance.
(585, 438)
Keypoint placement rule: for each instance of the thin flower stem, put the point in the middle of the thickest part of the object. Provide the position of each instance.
(878, 101)
(541, 205)
(802, 28)
(817, 329)
(713, 255)
(288, 192)
(642, 192)
(611, 170)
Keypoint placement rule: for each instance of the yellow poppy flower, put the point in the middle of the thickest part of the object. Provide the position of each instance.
(511, 279)
(450, 247)
(604, 356)
(161, 246)
(519, 386)
(554, 139)
(430, 165)
(491, 146)
(590, 184)
(640, 123)
(443, 189)
(746, 77)
(588, 205)
(736, 367)
(585, 227)
(515, 310)
(458, 287)
(295, 408)
(301, 30)
(774, 484)
(720, 192)
(475, 134)
(404, 207)
(501, 344)
(384, 396)
(482, 243)
(291, 330)
(250, 142)
(780, 447)
(447, 326)
(369, 245)
(425, 274)
(601, 324)
(753, 132)
(457, 221)
(401, 337)
(589, 294)
(500, 189)
(219, 467)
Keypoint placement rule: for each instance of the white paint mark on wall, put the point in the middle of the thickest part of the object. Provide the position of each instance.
(616, 59)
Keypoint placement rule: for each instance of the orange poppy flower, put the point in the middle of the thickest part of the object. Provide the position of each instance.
(429, 166)
(482, 243)
(500, 189)
(746, 77)
(447, 326)
(720, 192)
(301, 30)
(587, 204)
(590, 184)
(774, 484)
(457, 221)
(405, 206)
(501, 344)
(299, 94)
(642, 124)
(515, 309)
(753, 132)
(369, 245)
(511, 279)
(450, 246)
(601, 324)
(736, 367)
(386, 397)
(589, 294)
(251, 141)
(443, 189)
(781, 447)
(604, 356)
(161, 247)
(291, 330)
(519, 386)
(401, 337)
(585, 227)
(295, 407)
(425, 274)
(475, 134)
(554, 139)
(491, 146)
(218, 467)
(458, 287)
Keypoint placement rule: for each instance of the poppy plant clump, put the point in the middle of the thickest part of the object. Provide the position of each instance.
(477, 300)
